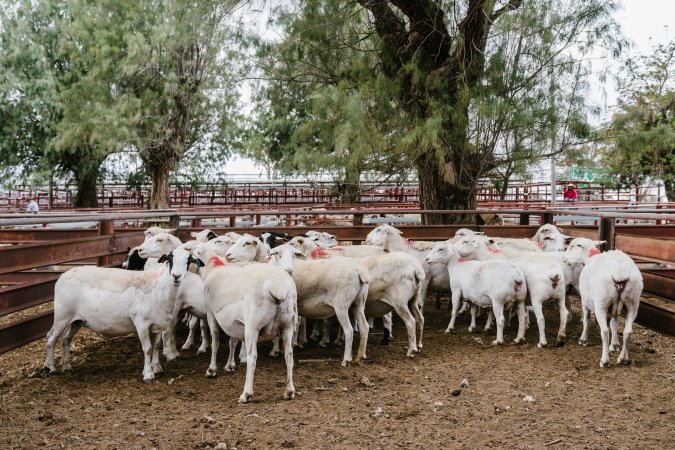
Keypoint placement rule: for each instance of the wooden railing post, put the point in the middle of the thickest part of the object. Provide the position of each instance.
(524, 219)
(607, 232)
(546, 218)
(106, 228)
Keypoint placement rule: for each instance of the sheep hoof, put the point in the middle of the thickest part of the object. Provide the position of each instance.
(604, 364)
(245, 398)
(323, 344)
(158, 373)
(583, 342)
(186, 346)
(560, 342)
(542, 344)
(613, 348)
(211, 373)
(449, 330)
(623, 362)
(50, 370)
(149, 380)
(274, 353)
(497, 342)
(289, 395)
(66, 368)
(171, 356)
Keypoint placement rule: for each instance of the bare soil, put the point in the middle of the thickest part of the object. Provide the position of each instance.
(103, 402)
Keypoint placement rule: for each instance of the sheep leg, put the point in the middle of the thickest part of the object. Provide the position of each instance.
(488, 321)
(364, 328)
(243, 354)
(631, 313)
(300, 338)
(145, 338)
(192, 326)
(212, 371)
(276, 346)
(345, 323)
(169, 336)
(388, 325)
(456, 297)
(54, 333)
(251, 343)
(289, 393)
(231, 363)
(419, 320)
(204, 328)
(315, 331)
(564, 315)
(404, 314)
(65, 344)
(522, 318)
(472, 326)
(583, 340)
(601, 316)
(614, 343)
(325, 339)
(422, 292)
(498, 309)
(156, 366)
(541, 323)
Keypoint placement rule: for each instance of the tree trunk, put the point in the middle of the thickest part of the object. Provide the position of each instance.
(443, 192)
(669, 186)
(159, 193)
(87, 195)
(350, 189)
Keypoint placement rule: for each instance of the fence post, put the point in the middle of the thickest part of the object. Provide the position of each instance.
(106, 228)
(607, 232)
(196, 223)
(233, 221)
(174, 222)
(524, 219)
(547, 218)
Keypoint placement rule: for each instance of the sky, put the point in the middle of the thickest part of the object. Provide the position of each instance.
(645, 22)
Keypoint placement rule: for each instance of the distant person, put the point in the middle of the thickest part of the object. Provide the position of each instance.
(570, 194)
(32, 206)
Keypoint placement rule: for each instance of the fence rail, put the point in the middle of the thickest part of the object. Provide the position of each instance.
(30, 266)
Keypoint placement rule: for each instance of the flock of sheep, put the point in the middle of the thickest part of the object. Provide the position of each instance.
(266, 287)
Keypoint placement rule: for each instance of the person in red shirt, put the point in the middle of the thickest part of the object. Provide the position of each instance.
(570, 194)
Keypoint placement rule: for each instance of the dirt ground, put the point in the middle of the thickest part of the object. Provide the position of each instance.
(104, 404)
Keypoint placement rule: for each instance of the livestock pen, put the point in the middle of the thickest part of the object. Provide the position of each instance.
(517, 396)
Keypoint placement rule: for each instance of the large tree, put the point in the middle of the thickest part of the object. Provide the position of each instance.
(641, 135)
(440, 54)
(37, 56)
(448, 88)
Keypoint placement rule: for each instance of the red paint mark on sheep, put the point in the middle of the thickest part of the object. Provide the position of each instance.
(461, 260)
(494, 250)
(215, 261)
(593, 251)
(318, 253)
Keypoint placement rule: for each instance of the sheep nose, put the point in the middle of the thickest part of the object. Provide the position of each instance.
(176, 278)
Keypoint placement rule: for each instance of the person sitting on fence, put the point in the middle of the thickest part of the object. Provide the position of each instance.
(570, 193)
(32, 206)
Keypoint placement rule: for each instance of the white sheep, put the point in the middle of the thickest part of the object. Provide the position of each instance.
(544, 277)
(521, 245)
(391, 240)
(609, 284)
(396, 281)
(550, 238)
(313, 250)
(204, 235)
(250, 302)
(154, 231)
(116, 302)
(191, 298)
(495, 284)
(247, 248)
(326, 288)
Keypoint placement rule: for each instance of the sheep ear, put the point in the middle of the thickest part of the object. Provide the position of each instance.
(560, 229)
(211, 235)
(165, 258)
(198, 262)
(170, 230)
(480, 233)
(300, 255)
(599, 243)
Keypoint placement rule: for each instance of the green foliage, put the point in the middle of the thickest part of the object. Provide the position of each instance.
(641, 136)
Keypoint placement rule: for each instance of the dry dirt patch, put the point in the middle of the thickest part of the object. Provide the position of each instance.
(389, 401)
